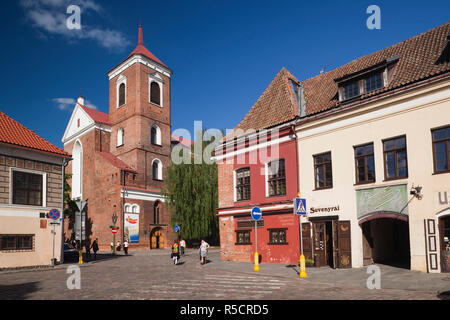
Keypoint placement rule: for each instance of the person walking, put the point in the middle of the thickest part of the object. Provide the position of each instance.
(112, 247)
(203, 252)
(95, 248)
(175, 252)
(182, 246)
(87, 245)
(125, 246)
(118, 246)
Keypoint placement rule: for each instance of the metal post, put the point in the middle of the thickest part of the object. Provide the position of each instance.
(53, 246)
(256, 267)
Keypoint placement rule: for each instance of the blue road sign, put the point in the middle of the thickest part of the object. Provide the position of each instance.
(177, 228)
(300, 206)
(54, 214)
(256, 213)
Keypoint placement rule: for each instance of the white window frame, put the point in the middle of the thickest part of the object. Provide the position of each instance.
(135, 209)
(44, 186)
(121, 135)
(160, 168)
(156, 78)
(158, 134)
(119, 81)
(74, 175)
(127, 208)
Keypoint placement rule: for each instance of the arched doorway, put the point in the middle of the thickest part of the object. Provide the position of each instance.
(386, 240)
(157, 238)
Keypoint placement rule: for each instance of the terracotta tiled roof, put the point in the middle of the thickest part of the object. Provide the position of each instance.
(417, 61)
(276, 105)
(14, 133)
(186, 142)
(116, 162)
(97, 116)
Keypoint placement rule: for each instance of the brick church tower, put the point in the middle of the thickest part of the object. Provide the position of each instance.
(120, 157)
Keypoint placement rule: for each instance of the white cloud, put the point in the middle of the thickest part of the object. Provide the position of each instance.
(51, 17)
(69, 103)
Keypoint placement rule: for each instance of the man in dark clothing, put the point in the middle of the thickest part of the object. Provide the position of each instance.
(95, 248)
(88, 250)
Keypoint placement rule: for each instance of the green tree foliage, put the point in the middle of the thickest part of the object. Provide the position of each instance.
(192, 197)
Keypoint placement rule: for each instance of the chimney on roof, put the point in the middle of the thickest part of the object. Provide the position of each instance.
(80, 100)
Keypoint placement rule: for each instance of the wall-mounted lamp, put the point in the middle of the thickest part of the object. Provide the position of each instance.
(416, 191)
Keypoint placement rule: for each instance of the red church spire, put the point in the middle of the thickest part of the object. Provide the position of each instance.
(141, 37)
(142, 50)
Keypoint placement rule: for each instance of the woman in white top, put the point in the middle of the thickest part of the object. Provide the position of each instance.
(203, 251)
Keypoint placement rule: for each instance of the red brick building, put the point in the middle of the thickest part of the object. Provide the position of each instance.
(257, 166)
(119, 158)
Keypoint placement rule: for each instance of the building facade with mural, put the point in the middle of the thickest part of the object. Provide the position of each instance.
(120, 157)
(374, 157)
(373, 160)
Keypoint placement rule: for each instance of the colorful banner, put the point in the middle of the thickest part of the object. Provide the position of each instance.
(132, 227)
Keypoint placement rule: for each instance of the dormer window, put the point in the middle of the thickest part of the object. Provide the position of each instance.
(366, 80)
(351, 90)
(374, 82)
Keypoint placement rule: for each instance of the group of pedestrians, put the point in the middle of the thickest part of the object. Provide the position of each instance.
(119, 246)
(94, 248)
(178, 250)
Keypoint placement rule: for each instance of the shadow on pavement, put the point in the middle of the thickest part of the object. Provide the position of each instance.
(100, 257)
(444, 295)
(18, 291)
(293, 267)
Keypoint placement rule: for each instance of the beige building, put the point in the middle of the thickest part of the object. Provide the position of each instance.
(374, 158)
(31, 184)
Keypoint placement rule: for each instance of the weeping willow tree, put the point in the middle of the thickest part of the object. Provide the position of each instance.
(191, 192)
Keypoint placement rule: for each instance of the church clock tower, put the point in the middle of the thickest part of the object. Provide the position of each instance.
(139, 113)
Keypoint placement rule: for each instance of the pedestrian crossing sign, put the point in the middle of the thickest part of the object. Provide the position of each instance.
(300, 206)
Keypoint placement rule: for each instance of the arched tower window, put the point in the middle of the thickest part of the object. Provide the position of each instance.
(121, 94)
(156, 212)
(155, 93)
(120, 135)
(157, 169)
(156, 135)
(77, 170)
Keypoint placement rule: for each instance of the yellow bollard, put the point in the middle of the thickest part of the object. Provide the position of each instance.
(256, 268)
(302, 273)
(80, 257)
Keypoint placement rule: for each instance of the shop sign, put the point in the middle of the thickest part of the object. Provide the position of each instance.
(324, 209)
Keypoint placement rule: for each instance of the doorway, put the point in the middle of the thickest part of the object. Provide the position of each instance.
(386, 241)
(156, 239)
(324, 245)
(444, 232)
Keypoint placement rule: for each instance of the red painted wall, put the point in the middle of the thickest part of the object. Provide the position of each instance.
(287, 253)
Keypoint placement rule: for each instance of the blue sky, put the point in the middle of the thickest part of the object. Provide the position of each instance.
(223, 54)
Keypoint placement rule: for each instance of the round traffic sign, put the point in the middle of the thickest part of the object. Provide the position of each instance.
(177, 228)
(256, 213)
(54, 214)
(114, 231)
